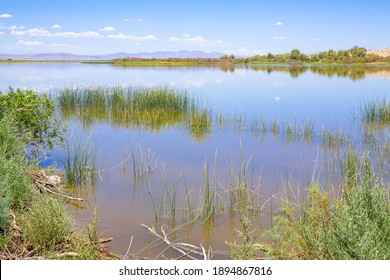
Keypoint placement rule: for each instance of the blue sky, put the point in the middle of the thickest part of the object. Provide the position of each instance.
(238, 27)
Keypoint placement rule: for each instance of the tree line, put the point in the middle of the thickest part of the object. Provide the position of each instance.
(353, 55)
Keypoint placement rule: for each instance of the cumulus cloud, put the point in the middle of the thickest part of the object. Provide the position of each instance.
(127, 19)
(39, 32)
(84, 35)
(279, 38)
(18, 33)
(14, 27)
(188, 39)
(279, 23)
(6, 16)
(107, 29)
(56, 26)
(29, 43)
(1, 33)
(131, 38)
(24, 43)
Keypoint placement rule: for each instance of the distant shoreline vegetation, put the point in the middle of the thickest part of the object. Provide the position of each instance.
(355, 55)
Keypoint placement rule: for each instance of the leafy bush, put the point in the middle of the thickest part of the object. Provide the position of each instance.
(356, 226)
(46, 225)
(15, 187)
(32, 115)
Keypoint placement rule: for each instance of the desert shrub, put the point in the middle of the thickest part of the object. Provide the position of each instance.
(32, 115)
(46, 225)
(15, 187)
(354, 226)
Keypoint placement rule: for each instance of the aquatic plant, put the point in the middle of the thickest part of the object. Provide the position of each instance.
(149, 108)
(79, 161)
(376, 114)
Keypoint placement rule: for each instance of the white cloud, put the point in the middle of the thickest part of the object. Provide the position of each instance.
(107, 29)
(316, 39)
(18, 33)
(186, 35)
(83, 35)
(140, 20)
(6, 16)
(1, 33)
(279, 23)
(14, 27)
(39, 32)
(189, 40)
(61, 45)
(127, 19)
(29, 43)
(279, 38)
(131, 38)
(56, 26)
(41, 44)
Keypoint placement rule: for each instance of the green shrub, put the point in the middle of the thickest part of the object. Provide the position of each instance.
(46, 225)
(15, 187)
(356, 226)
(32, 115)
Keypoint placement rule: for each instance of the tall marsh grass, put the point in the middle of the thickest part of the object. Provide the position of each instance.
(150, 108)
(79, 161)
(376, 114)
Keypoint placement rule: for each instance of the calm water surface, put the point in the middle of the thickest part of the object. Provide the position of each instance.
(330, 97)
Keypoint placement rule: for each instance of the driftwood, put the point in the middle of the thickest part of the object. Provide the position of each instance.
(49, 184)
(187, 250)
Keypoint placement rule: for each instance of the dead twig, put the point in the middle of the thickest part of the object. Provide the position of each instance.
(187, 250)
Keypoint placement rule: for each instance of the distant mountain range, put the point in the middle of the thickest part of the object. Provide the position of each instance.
(69, 56)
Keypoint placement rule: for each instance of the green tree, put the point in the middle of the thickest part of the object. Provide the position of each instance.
(295, 54)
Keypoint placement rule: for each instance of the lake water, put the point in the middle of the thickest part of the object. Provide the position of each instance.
(146, 171)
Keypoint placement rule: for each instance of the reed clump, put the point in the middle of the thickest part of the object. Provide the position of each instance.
(149, 108)
(376, 115)
(79, 162)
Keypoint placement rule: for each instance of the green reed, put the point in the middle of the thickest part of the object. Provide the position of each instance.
(79, 161)
(149, 108)
(376, 114)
